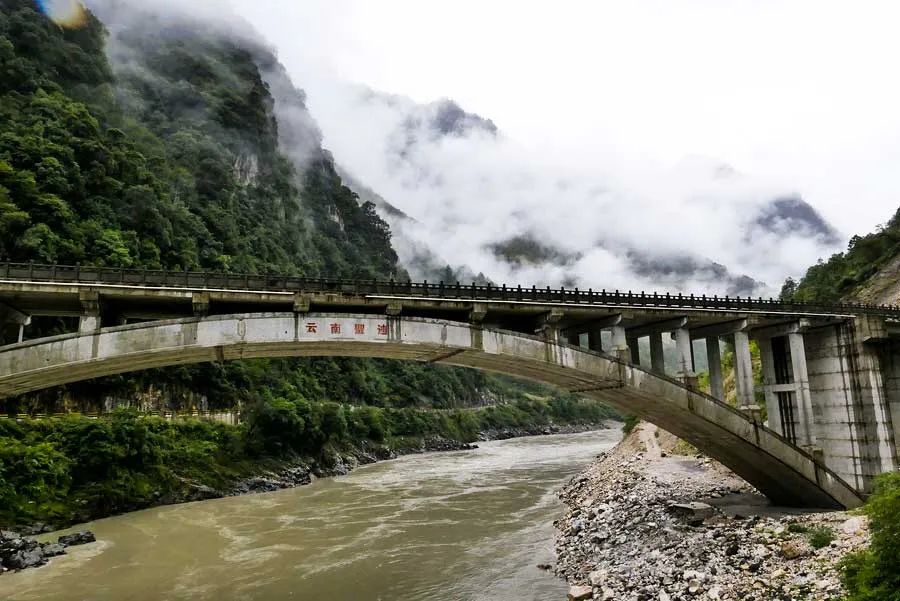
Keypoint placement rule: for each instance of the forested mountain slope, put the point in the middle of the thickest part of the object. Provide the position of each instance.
(143, 143)
(868, 271)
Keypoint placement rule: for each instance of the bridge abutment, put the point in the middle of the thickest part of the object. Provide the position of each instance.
(853, 377)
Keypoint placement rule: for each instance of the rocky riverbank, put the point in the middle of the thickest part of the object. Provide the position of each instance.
(645, 523)
(19, 552)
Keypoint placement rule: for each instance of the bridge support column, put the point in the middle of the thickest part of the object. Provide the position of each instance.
(773, 407)
(89, 322)
(806, 436)
(595, 331)
(619, 343)
(634, 351)
(685, 357)
(714, 358)
(200, 303)
(743, 369)
(595, 340)
(8, 315)
(548, 327)
(657, 356)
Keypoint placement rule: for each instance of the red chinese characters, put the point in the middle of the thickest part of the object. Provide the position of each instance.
(335, 328)
(312, 327)
(359, 328)
(382, 329)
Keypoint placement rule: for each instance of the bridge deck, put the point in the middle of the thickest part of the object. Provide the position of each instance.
(138, 294)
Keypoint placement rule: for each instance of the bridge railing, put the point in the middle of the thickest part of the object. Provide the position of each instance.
(448, 290)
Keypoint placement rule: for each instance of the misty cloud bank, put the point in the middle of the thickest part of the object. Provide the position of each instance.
(517, 214)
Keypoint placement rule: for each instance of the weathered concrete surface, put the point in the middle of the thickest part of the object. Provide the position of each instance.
(782, 471)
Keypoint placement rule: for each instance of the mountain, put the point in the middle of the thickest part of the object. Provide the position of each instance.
(150, 139)
(868, 271)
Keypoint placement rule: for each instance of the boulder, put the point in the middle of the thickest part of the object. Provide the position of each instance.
(26, 558)
(598, 577)
(854, 525)
(693, 512)
(580, 593)
(794, 549)
(77, 538)
(53, 549)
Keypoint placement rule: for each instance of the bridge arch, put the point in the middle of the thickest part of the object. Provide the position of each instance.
(782, 471)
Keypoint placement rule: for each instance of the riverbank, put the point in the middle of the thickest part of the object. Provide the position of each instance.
(342, 463)
(650, 521)
(58, 472)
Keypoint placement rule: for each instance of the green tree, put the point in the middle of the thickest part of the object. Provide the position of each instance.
(874, 574)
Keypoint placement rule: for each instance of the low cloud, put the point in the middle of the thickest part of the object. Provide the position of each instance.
(549, 217)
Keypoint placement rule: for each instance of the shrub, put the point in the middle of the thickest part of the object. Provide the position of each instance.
(630, 422)
(820, 536)
(874, 574)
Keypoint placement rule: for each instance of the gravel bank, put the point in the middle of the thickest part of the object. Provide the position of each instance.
(644, 524)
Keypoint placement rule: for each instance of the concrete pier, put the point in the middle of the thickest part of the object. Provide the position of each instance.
(714, 360)
(657, 356)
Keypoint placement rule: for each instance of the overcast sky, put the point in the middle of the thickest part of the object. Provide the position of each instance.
(799, 93)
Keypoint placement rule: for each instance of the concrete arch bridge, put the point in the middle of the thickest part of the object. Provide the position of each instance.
(830, 378)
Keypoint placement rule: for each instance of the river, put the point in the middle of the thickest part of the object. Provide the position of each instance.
(468, 525)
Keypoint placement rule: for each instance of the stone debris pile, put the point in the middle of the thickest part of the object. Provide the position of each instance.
(642, 525)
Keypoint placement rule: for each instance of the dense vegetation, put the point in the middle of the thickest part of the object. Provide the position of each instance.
(874, 574)
(843, 273)
(173, 155)
(73, 469)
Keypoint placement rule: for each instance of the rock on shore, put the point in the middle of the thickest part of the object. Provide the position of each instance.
(643, 524)
(18, 552)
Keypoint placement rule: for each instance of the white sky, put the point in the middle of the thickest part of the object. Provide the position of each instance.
(801, 94)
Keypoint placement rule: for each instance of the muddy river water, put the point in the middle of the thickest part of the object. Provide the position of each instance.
(469, 525)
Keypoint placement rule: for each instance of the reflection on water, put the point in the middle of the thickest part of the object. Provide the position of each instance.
(469, 525)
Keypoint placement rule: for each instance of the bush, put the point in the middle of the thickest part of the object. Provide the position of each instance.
(820, 536)
(630, 422)
(874, 574)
